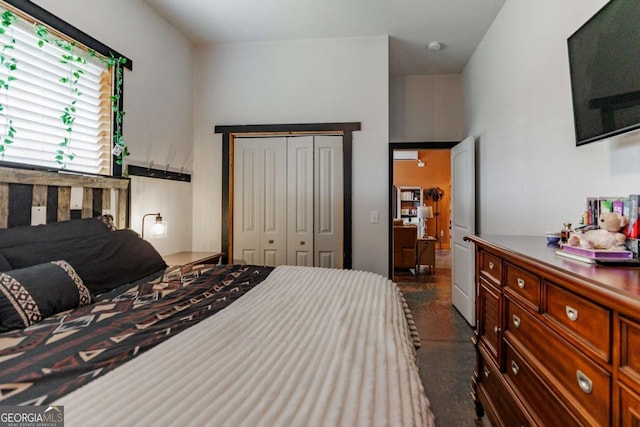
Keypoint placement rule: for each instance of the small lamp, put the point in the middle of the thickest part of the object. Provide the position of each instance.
(159, 228)
(424, 213)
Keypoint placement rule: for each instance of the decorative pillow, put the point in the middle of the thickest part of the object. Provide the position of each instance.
(103, 261)
(31, 294)
(108, 221)
(55, 231)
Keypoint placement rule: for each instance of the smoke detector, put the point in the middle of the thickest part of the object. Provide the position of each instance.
(434, 45)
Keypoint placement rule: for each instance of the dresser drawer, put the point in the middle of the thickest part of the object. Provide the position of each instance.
(629, 408)
(491, 267)
(496, 400)
(630, 349)
(488, 327)
(589, 323)
(533, 392)
(580, 379)
(524, 284)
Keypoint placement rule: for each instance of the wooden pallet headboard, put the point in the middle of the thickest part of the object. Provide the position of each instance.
(22, 189)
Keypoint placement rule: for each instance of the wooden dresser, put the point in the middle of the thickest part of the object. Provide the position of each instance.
(557, 340)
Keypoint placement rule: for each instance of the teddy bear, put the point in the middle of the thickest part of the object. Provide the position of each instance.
(606, 237)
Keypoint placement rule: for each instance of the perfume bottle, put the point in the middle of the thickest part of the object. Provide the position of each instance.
(565, 233)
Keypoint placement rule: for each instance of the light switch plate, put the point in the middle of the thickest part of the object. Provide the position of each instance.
(374, 217)
(38, 215)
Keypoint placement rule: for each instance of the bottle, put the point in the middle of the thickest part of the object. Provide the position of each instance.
(566, 232)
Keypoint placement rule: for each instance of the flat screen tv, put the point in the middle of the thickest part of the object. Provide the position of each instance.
(604, 60)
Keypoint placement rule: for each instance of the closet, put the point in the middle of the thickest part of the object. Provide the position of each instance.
(288, 200)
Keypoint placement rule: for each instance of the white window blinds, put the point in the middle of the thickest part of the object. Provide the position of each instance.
(55, 102)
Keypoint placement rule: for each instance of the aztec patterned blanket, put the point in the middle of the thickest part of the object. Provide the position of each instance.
(63, 352)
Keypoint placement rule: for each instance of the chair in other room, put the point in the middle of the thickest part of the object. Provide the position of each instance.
(405, 238)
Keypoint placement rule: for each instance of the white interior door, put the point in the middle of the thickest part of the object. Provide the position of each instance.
(260, 216)
(328, 197)
(274, 211)
(246, 220)
(300, 201)
(463, 217)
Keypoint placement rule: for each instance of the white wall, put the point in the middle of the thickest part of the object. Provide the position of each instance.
(305, 81)
(158, 99)
(517, 95)
(426, 108)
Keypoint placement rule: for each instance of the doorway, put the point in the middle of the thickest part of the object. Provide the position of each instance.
(420, 169)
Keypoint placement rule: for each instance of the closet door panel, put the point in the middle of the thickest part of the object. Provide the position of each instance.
(247, 201)
(300, 201)
(328, 200)
(274, 213)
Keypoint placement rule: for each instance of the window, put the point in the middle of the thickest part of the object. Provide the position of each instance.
(56, 96)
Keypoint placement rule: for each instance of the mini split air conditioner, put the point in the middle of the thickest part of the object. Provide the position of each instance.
(405, 155)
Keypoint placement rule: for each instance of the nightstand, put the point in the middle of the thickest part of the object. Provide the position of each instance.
(187, 258)
(426, 253)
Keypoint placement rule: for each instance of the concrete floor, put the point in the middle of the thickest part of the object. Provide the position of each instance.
(447, 357)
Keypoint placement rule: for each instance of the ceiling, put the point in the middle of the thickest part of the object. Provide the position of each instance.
(411, 24)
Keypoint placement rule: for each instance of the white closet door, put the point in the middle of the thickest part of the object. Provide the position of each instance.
(328, 195)
(259, 226)
(300, 201)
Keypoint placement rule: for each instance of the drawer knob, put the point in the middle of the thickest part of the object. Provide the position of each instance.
(584, 382)
(496, 330)
(302, 242)
(572, 313)
(516, 321)
(520, 283)
(486, 371)
(514, 368)
(270, 241)
(490, 265)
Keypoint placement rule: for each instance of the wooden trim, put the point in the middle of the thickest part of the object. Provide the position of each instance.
(288, 129)
(21, 189)
(227, 189)
(4, 207)
(230, 132)
(157, 173)
(33, 177)
(106, 200)
(87, 202)
(39, 195)
(347, 159)
(64, 203)
(123, 212)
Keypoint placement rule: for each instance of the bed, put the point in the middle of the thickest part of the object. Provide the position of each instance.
(93, 319)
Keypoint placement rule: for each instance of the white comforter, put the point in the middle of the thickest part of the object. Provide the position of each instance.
(307, 347)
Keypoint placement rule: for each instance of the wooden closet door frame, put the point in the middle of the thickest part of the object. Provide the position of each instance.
(230, 132)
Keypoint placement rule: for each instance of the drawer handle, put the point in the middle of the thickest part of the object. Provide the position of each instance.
(302, 242)
(486, 371)
(514, 368)
(572, 313)
(490, 265)
(520, 283)
(270, 241)
(496, 330)
(584, 382)
(516, 321)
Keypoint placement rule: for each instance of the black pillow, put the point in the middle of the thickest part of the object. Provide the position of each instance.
(31, 294)
(4, 264)
(103, 261)
(55, 231)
